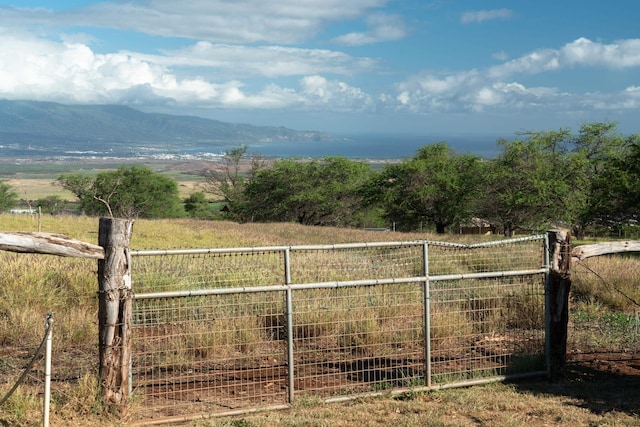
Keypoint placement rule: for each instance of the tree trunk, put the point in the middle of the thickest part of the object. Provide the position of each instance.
(579, 231)
(114, 311)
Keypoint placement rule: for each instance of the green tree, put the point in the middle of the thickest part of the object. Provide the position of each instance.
(197, 206)
(617, 187)
(228, 179)
(532, 183)
(128, 192)
(8, 197)
(52, 205)
(437, 187)
(598, 150)
(79, 184)
(318, 192)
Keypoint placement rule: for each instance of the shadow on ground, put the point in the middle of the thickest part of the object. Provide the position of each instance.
(601, 383)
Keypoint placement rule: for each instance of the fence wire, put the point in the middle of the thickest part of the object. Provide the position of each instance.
(244, 329)
(612, 324)
(31, 286)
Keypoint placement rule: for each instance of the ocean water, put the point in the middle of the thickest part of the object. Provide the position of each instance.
(375, 147)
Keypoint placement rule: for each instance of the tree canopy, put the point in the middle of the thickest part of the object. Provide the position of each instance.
(128, 192)
(436, 187)
(317, 192)
(530, 183)
(8, 197)
(538, 179)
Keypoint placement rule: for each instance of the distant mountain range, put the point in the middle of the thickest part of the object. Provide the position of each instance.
(48, 128)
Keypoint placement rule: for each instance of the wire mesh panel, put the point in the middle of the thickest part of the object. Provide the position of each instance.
(242, 329)
(209, 353)
(509, 255)
(358, 338)
(356, 262)
(203, 269)
(486, 327)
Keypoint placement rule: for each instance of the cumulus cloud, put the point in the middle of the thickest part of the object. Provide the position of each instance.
(381, 28)
(581, 52)
(318, 90)
(620, 54)
(213, 69)
(496, 89)
(485, 15)
(32, 68)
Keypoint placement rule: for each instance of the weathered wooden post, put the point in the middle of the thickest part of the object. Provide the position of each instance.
(558, 287)
(114, 311)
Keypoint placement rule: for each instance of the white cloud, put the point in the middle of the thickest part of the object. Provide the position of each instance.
(496, 89)
(32, 68)
(473, 90)
(620, 54)
(318, 90)
(581, 52)
(381, 28)
(270, 61)
(485, 15)
(217, 75)
(221, 21)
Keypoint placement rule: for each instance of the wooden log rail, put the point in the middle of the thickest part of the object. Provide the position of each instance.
(48, 243)
(586, 251)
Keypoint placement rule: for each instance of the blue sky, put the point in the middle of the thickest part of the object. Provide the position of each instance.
(416, 67)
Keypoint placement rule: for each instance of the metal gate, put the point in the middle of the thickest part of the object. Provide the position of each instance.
(227, 331)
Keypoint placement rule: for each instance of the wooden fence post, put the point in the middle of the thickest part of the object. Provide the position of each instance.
(114, 311)
(558, 287)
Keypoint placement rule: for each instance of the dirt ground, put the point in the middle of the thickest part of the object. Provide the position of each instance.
(622, 364)
(603, 382)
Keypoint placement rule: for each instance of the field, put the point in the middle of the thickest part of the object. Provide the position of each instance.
(599, 387)
(34, 180)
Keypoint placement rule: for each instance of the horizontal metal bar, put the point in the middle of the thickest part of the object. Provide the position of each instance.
(488, 274)
(457, 384)
(208, 292)
(357, 245)
(336, 284)
(159, 252)
(273, 288)
(330, 247)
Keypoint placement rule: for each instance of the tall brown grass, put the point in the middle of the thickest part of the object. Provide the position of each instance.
(611, 281)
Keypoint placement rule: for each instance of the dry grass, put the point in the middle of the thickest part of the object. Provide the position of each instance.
(31, 286)
(534, 404)
(610, 281)
(35, 189)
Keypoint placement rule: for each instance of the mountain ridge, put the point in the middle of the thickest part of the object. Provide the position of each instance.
(37, 121)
